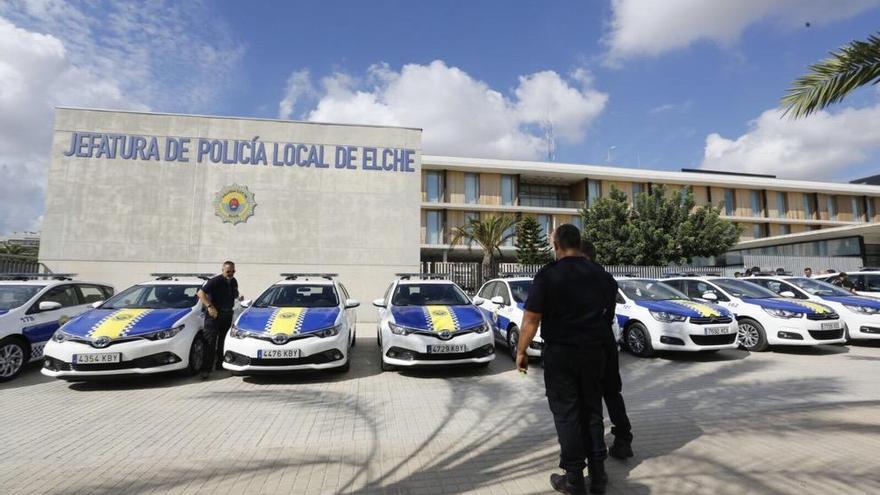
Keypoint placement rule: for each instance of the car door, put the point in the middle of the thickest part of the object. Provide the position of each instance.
(504, 313)
(40, 325)
(350, 313)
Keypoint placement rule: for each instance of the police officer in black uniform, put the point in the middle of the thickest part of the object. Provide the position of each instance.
(612, 385)
(572, 299)
(218, 296)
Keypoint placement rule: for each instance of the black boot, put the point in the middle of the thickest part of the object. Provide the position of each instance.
(598, 476)
(571, 482)
(621, 448)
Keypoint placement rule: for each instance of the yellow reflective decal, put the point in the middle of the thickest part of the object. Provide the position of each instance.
(704, 310)
(286, 321)
(117, 323)
(441, 318)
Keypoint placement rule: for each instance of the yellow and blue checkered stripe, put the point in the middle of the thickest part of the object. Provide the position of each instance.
(118, 323)
(286, 321)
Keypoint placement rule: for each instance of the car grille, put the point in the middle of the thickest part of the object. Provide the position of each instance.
(822, 316)
(710, 320)
(826, 334)
(714, 339)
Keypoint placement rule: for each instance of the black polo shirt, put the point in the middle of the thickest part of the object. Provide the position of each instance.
(221, 292)
(575, 298)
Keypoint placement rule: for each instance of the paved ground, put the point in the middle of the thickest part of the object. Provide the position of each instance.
(794, 421)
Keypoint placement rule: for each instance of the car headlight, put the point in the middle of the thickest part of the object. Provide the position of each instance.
(328, 332)
(481, 328)
(60, 336)
(399, 330)
(238, 333)
(667, 317)
(865, 310)
(783, 313)
(163, 334)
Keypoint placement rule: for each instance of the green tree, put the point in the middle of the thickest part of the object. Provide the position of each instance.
(17, 250)
(658, 229)
(829, 81)
(489, 234)
(532, 247)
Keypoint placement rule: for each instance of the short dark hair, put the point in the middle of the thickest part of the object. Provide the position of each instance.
(588, 249)
(808, 268)
(228, 263)
(567, 236)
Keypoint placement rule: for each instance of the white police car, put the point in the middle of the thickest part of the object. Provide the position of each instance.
(504, 303)
(655, 316)
(151, 327)
(32, 307)
(426, 320)
(764, 317)
(306, 321)
(860, 314)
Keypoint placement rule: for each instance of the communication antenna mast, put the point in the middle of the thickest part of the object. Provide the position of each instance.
(550, 139)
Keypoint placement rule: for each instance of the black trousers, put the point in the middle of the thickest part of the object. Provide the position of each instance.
(612, 387)
(215, 332)
(573, 378)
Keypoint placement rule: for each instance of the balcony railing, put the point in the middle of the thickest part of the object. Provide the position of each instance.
(550, 202)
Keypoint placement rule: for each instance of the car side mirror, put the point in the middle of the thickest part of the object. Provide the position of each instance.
(478, 301)
(379, 303)
(49, 306)
(351, 303)
(498, 300)
(787, 293)
(246, 303)
(97, 303)
(710, 296)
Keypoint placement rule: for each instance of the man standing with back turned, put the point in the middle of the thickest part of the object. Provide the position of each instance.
(571, 298)
(218, 297)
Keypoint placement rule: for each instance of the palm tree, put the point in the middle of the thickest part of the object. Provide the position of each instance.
(490, 234)
(830, 80)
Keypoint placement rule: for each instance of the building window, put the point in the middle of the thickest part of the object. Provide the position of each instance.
(757, 204)
(759, 230)
(508, 190)
(782, 204)
(857, 208)
(729, 202)
(471, 188)
(434, 186)
(578, 221)
(546, 196)
(809, 205)
(637, 189)
(545, 221)
(433, 227)
(869, 202)
(470, 216)
(594, 191)
(784, 229)
(832, 207)
(510, 230)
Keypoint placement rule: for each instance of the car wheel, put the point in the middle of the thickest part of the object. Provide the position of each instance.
(752, 336)
(196, 356)
(513, 341)
(638, 340)
(14, 354)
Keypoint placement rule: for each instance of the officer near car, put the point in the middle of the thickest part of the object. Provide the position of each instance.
(571, 299)
(218, 296)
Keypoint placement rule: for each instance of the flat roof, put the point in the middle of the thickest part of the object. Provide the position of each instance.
(870, 231)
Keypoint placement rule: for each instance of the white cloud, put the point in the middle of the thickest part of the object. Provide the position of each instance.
(461, 115)
(299, 86)
(822, 146)
(652, 27)
(119, 55)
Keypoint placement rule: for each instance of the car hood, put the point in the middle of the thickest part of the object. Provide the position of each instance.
(869, 302)
(287, 320)
(795, 306)
(3, 311)
(117, 323)
(437, 318)
(685, 308)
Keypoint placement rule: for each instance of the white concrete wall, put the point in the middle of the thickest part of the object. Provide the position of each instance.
(118, 220)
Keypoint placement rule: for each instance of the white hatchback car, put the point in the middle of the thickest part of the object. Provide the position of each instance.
(304, 322)
(655, 316)
(860, 314)
(764, 317)
(151, 327)
(426, 320)
(32, 307)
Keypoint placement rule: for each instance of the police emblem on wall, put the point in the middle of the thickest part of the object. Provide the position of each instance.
(234, 204)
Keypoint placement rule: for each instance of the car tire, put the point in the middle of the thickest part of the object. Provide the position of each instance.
(512, 340)
(638, 340)
(752, 336)
(347, 366)
(385, 366)
(15, 353)
(196, 356)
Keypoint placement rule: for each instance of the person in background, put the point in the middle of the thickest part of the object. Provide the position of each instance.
(808, 272)
(844, 282)
(737, 274)
(612, 384)
(218, 296)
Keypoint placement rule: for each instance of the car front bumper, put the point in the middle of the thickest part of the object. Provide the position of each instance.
(412, 350)
(802, 331)
(690, 337)
(243, 355)
(139, 357)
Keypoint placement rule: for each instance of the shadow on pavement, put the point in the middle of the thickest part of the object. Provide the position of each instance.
(30, 375)
(813, 350)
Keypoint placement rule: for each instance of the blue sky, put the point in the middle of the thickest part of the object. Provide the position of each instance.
(669, 84)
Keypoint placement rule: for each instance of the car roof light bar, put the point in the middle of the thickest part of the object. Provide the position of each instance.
(172, 275)
(294, 276)
(29, 276)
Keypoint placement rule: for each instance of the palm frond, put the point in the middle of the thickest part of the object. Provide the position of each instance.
(830, 80)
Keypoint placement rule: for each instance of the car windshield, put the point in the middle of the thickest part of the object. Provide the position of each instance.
(818, 288)
(154, 297)
(651, 290)
(520, 290)
(298, 296)
(13, 296)
(742, 289)
(429, 295)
